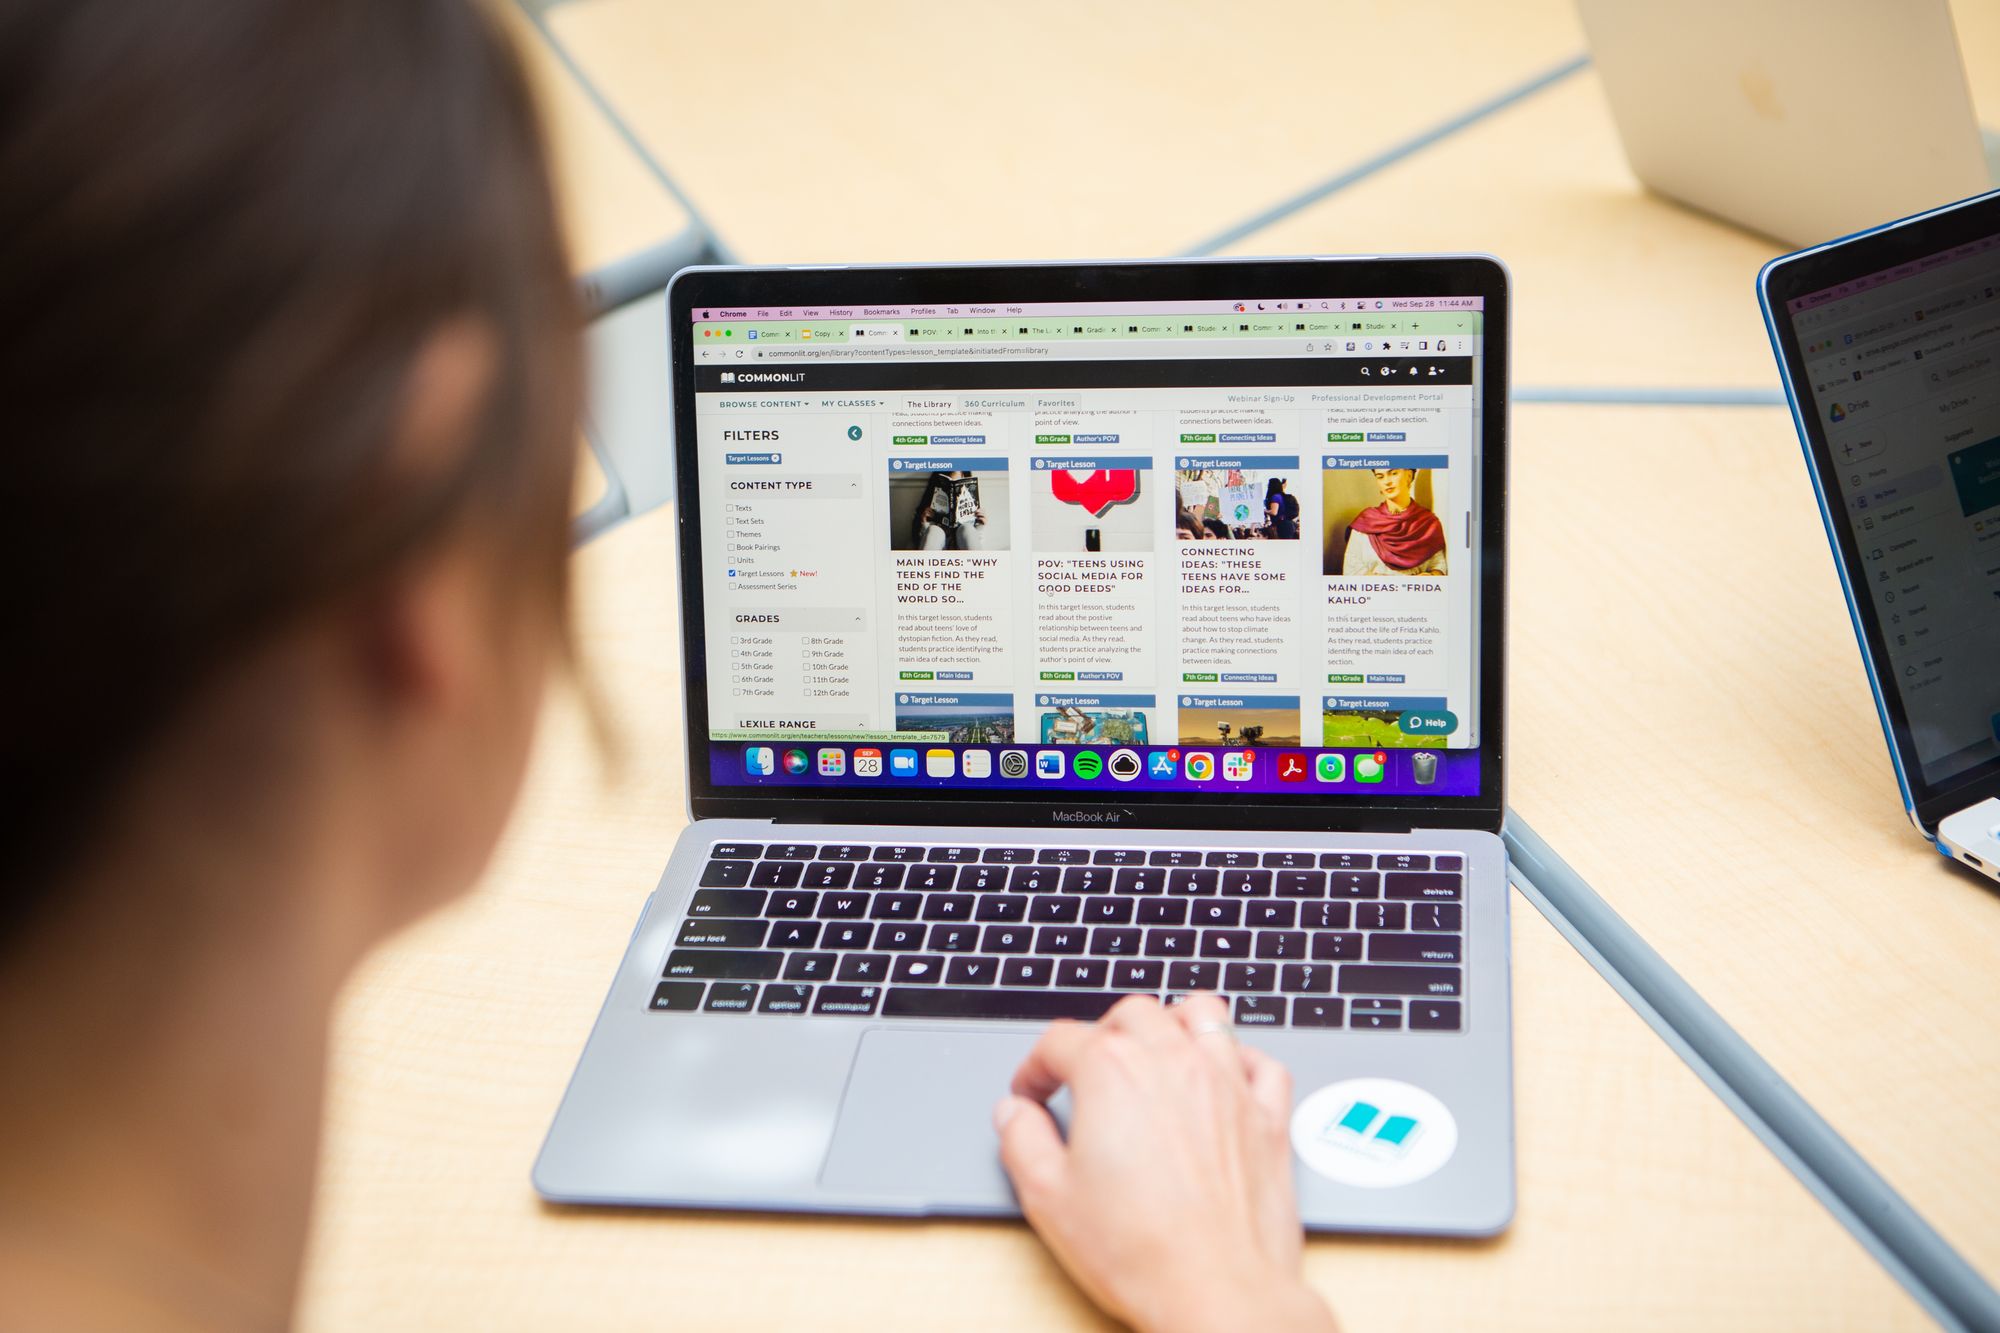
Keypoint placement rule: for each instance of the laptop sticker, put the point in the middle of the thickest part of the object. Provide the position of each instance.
(1373, 1133)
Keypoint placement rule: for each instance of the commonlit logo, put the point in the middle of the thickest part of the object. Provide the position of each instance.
(1366, 1128)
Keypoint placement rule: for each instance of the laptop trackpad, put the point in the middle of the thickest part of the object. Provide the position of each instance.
(916, 1125)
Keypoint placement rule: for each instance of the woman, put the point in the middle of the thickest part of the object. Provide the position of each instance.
(292, 376)
(1281, 512)
(1397, 536)
(948, 515)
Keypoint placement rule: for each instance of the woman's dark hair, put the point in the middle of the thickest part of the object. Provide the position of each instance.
(227, 229)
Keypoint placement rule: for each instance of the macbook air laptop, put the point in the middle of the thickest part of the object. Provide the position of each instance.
(1800, 119)
(1890, 346)
(1055, 633)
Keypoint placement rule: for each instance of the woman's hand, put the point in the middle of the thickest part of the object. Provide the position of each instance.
(1171, 1202)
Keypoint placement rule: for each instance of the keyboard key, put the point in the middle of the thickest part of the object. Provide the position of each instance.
(1281, 945)
(1403, 861)
(1115, 941)
(1170, 943)
(1246, 883)
(1369, 979)
(1225, 944)
(790, 851)
(1193, 883)
(727, 902)
(1076, 972)
(1379, 916)
(1001, 907)
(847, 999)
(1064, 856)
(1290, 860)
(844, 851)
(776, 875)
(724, 964)
(1335, 947)
(1051, 908)
(948, 907)
(699, 933)
(783, 999)
(1175, 856)
(1107, 911)
(1326, 916)
(829, 875)
(899, 935)
(1138, 974)
(1436, 916)
(930, 878)
(1192, 976)
(1038, 1006)
(1118, 856)
(1141, 879)
(1434, 1015)
(1006, 939)
(809, 966)
(1260, 1011)
(727, 874)
(1453, 863)
(896, 907)
(1231, 860)
(1034, 879)
(982, 879)
(1087, 879)
(922, 968)
(1060, 939)
(1375, 1015)
(1309, 1012)
(1431, 887)
(954, 855)
(950, 937)
(1416, 948)
(846, 935)
(1301, 884)
(970, 971)
(1276, 915)
(1305, 979)
(1347, 861)
(1354, 884)
(1161, 912)
(1027, 971)
(736, 851)
(902, 854)
(1217, 912)
(794, 935)
(791, 904)
(1007, 856)
(677, 995)
(871, 967)
(877, 875)
(1249, 977)
(836, 905)
(731, 997)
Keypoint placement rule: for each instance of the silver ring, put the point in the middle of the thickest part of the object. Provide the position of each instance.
(1209, 1027)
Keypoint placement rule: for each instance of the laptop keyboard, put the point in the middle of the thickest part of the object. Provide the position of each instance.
(1362, 940)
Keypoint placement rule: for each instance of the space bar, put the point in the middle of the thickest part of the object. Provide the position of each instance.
(1041, 1005)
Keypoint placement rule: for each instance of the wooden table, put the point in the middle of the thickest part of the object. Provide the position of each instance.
(1663, 687)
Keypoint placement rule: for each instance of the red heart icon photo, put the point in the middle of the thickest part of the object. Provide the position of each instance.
(1098, 491)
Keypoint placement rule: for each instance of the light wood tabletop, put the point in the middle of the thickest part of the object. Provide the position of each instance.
(1690, 724)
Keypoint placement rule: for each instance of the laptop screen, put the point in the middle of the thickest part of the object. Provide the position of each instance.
(1169, 548)
(1902, 367)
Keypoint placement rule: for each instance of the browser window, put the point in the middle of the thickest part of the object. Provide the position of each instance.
(1183, 546)
(1905, 371)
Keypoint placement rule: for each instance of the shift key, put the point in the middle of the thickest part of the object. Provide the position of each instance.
(1367, 979)
(762, 965)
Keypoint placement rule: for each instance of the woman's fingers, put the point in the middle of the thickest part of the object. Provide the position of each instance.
(1049, 1065)
(1270, 1085)
(1031, 1148)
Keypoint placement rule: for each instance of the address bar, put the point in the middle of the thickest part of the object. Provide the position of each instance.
(1145, 349)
